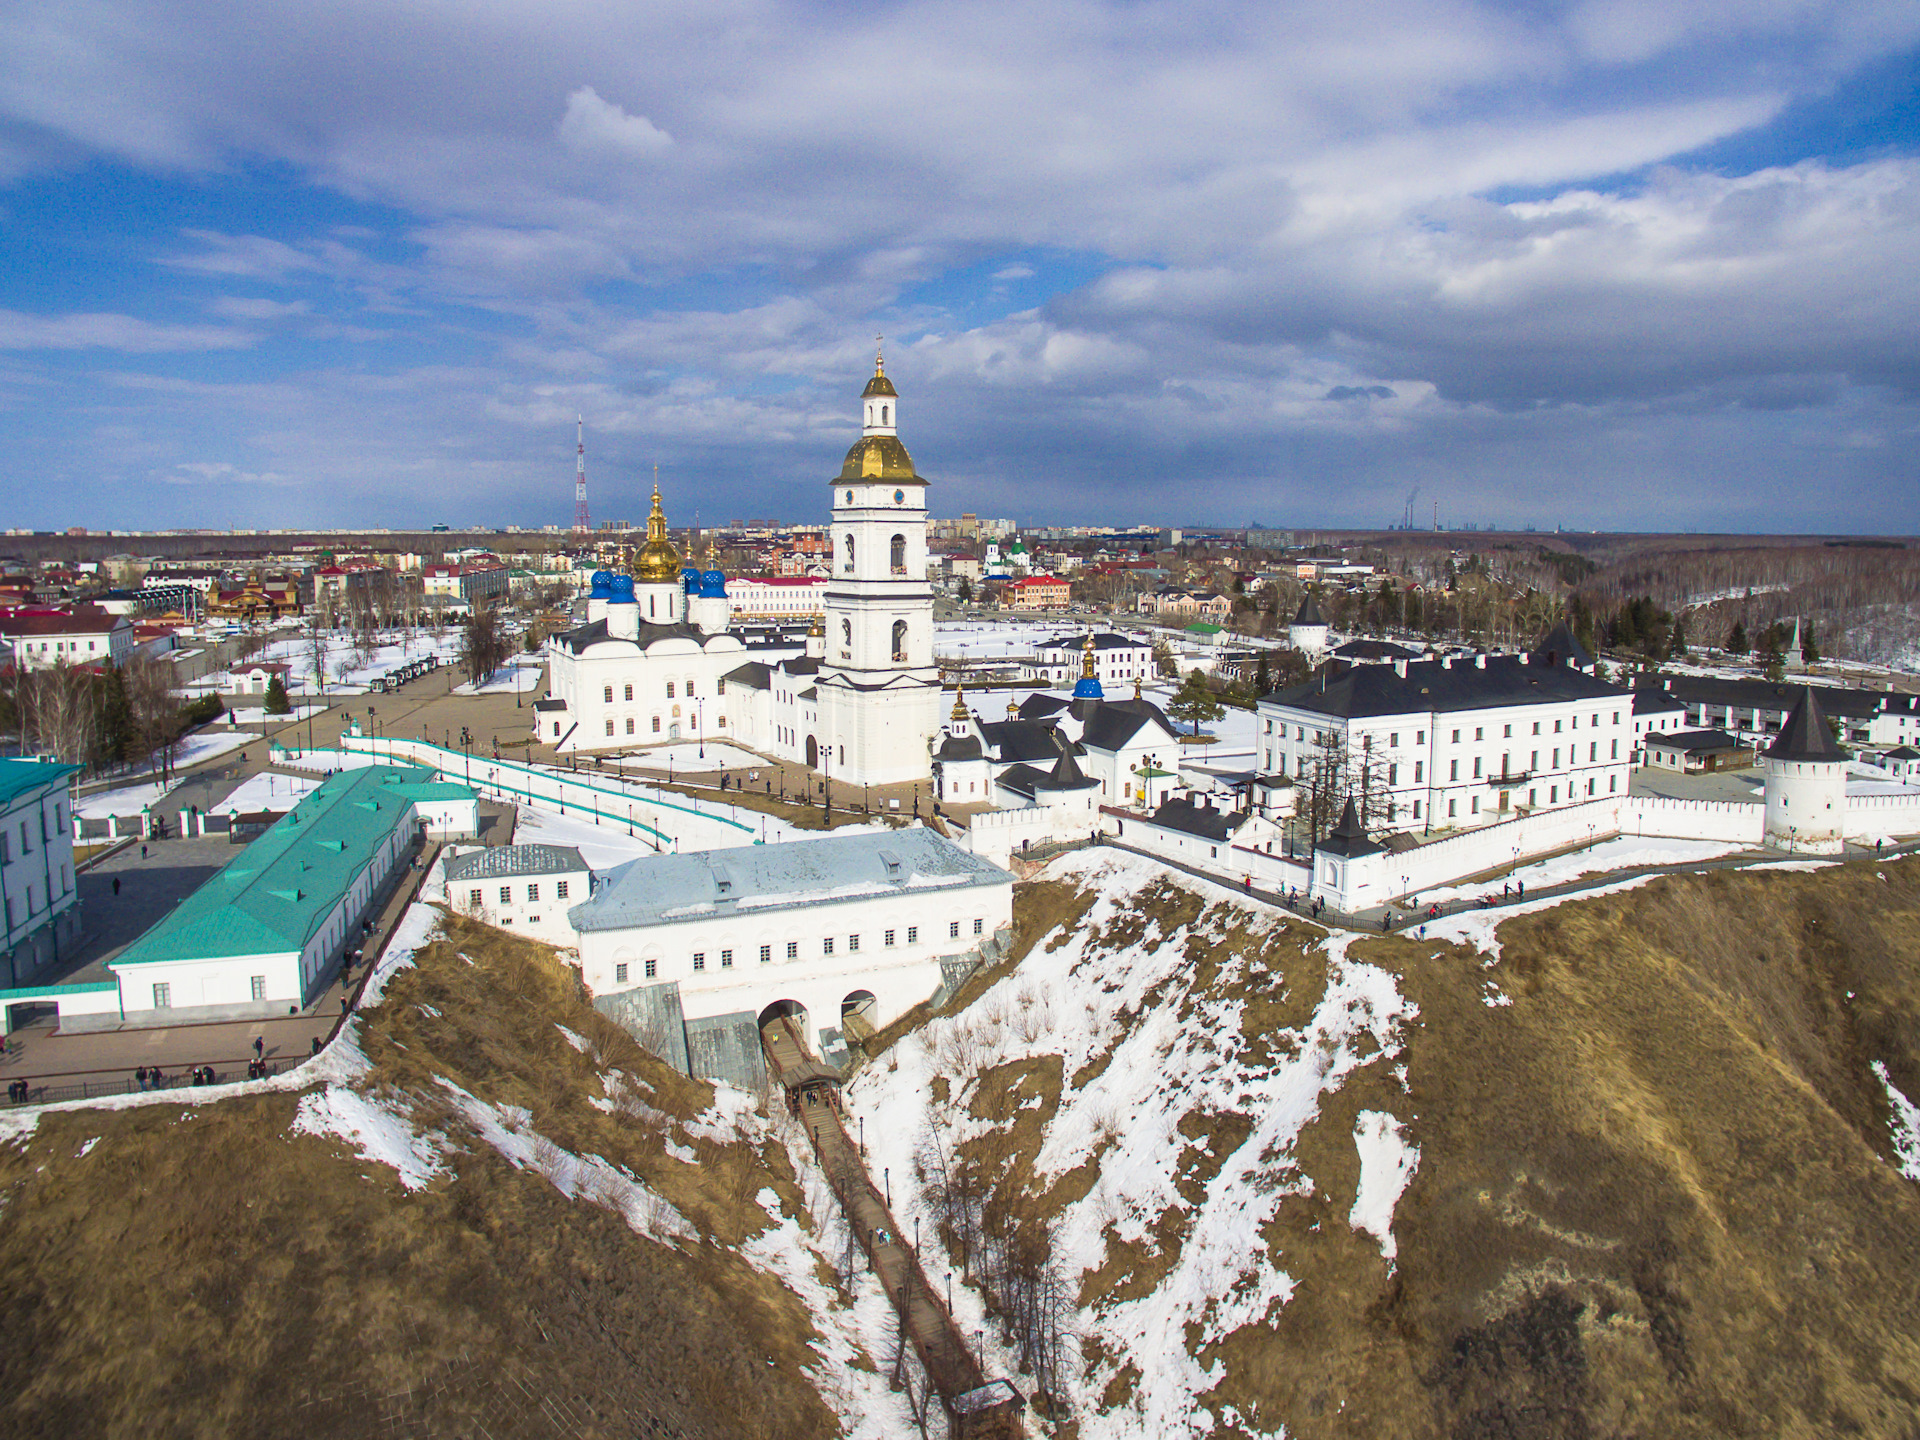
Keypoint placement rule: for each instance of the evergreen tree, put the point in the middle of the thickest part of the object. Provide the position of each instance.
(117, 740)
(1737, 639)
(277, 702)
(1196, 702)
(1677, 641)
(1262, 676)
(1809, 650)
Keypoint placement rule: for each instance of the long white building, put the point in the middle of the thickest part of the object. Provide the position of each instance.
(1456, 741)
(693, 952)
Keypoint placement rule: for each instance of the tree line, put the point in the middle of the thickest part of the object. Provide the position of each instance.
(125, 715)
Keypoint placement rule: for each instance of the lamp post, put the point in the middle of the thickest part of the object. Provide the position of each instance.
(863, 1136)
(886, 1181)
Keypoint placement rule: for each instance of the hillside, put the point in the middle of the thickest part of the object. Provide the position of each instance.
(1652, 1176)
(498, 1217)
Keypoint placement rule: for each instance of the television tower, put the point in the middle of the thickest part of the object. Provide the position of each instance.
(581, 524)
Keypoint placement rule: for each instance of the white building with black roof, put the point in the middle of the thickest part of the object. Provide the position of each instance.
(1308, 631)
(1453, 742)
(527, 889)
(1118, 659)
(1756, 710)
(1655, 712)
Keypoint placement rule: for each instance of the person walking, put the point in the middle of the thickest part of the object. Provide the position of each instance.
(259, 1047)
(1520, 888)
(143, 849)
(116, 885)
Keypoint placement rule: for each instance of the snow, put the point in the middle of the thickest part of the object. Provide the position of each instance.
(377, 1131)
(574, 1038)
(1387, 1163)
(1083, 1000)
(509, 679)
(1794, 865)
(601, 846)
(323, 761)
(1475, 928)
(129, 800)
(1624, 853)
(686, 756)
(267, 791)
(1905, 1124)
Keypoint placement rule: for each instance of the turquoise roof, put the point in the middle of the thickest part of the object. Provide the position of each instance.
(273, 896)
(18, 777)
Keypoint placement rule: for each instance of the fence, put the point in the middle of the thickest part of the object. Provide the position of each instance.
(48, 1094)
(601, 798)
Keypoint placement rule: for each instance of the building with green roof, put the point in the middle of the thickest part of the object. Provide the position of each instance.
(264, 936)
(36, 866)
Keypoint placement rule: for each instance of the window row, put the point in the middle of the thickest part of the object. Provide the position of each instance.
(889, 938)
(606, 691)
(560, 887)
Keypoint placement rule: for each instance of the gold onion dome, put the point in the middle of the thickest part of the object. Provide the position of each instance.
(959, 700)
(879, 384)
(656, 562)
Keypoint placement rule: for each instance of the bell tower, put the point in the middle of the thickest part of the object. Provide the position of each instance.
(878, 688)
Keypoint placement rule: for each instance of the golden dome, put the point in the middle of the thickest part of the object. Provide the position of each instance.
(879, 384)
(959, 700)
(656, 562)
(878, 457)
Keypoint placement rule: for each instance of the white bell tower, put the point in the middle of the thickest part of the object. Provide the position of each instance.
(879, 691)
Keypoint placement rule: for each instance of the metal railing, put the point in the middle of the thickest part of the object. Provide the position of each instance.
(48, 1093)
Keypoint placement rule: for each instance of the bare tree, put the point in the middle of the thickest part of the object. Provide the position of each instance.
(154, 704)
(59, 712)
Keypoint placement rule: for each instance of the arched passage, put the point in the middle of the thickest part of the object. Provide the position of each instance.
(857, 1012)
(784, 1010)
(813, 753)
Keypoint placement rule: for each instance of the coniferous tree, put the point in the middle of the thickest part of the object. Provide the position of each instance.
(277, 701)
(1737, 643)
(1809, 649)
(1677, 641)
(117, 741)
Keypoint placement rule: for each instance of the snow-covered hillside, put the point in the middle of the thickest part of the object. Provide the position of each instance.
(1137, 1085)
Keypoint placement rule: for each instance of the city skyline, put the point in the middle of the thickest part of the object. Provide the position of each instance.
(1617, 267)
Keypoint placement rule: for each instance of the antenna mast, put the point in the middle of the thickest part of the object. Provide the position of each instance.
(581, 524)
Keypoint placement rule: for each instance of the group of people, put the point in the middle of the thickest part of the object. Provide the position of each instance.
(17, 1091)
(148, 1077)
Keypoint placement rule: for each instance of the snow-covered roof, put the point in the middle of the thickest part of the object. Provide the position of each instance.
(506, 861)
(667, 889)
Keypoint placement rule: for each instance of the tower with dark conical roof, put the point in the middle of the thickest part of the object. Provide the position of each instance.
(1806, 786)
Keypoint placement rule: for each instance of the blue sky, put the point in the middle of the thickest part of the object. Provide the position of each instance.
(1634, 265)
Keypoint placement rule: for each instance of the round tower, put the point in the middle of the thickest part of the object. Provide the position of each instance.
(708, 610)
(623, 611)
(1806, 783)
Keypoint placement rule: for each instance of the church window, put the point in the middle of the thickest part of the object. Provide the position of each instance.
(720, 686)
(629, 724)
(652, 968)
(953, 929)
(629, 690)
(609, 727)
(846, 632)
(506, 894)
(899, 555)
(766, 954)
(853, 942)
(620, 974)
(533, 894)
(723, 722)
(889, 939)
(656, 724)
(726, 959)
(473, 898)
(607, 694)
(849, 564)
(689, 689)
(669, 689)
(699, 960)
(913, 934)
(977, 923)
(560, 889)
(883, 414)
(826, 946)
(899, 640)
(793, 949)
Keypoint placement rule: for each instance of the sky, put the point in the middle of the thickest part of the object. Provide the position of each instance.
(1646, 265)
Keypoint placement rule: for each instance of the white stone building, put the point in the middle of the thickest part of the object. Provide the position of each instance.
(1456, 741)
(36, 866)
(693, 952)
(1119, 660)
(527, 889)
(83, 635)
(655, 662)
(1806, 786)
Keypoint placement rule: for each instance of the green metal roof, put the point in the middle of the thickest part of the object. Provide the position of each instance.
(18, 777)
(273, 896)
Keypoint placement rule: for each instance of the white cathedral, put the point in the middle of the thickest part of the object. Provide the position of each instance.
(654, 661)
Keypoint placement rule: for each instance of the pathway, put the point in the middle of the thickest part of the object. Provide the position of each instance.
(951, 1366)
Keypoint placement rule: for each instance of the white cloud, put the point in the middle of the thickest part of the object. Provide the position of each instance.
(112, 332)
(595, 124)
(249, 307)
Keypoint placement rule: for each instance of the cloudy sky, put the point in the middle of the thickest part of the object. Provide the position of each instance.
(1639, 265)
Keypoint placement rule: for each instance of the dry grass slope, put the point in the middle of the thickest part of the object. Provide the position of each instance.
(203, 1272)
(1657, 1195)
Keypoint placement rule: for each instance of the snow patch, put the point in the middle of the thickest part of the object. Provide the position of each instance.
(1387, 1163)
(377, 1131)
(1905, 1124)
